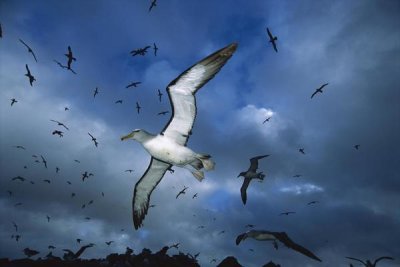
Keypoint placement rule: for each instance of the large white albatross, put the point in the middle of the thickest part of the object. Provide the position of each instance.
(169, 147)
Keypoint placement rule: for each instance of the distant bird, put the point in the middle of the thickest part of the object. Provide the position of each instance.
(30, 252)
(267, 119)
(182, 192)
(368, 263)
(87, 218)
(44, 161)
(60, 124)
(319, 90)
(57, 169)
(73, 194)
(48, 218)
(66, 108)
(221, 232)
(71, 256)
(201, 227)
(250, 174)
(34, 156)
(109, 242)
(140, 51)
(297, 175)
(249, 226)
(59, 133)
(276, 236)
(70, 58)
(287, 212)
(61, 65)
(15, 226)
(17, 204)
(68, 182)
(29, 75)
(22, 179)
(195, 195)
(94, 140)
(130, 171)
(272, 39)
(96, 91)
(138, 107)
(357, 147)
(51, 247)
(29, 49)
(13, 101)
(159, 94)
(118, 101)
(86, 175)
(155, 48)
(312, 202)
(47, 181)
(78, 240)
(163, 113)
(153, 4)
(133, 84)
(171, 142)
(102, 193)
(175, 246)
(301, 150)
(20, 147)
(77, 161)
(90, 202)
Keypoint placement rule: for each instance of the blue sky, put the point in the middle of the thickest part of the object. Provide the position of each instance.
(354, 46)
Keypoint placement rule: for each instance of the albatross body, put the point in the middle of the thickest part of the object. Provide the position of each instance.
(169, 147)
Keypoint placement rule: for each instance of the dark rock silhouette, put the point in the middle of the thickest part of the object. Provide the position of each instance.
(229, 261)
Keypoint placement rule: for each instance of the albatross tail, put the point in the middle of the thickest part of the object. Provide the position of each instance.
(206, 161)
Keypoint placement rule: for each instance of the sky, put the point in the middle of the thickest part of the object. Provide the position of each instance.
(352, 45)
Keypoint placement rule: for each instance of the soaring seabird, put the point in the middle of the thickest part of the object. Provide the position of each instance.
(368, 263)
(71, 256)
(301, 150)
(182, 192)
(70, 58)
(109, 242)
(44, 161)
(21, 147)
(287, 213)
(29, 49)
(140, 51)
(312, 202)
(276, 236)
(93, 139)
(267, 119)
(118, 101)
(138, 107)
(169, 147)
(319, 90)
(159, 94)
(153, 4)
(163, 112)
(22, 179)
(356, 146)
(96, 91)
(29, 75)
(155, 48)
(60, 124)
(250, 174)
(272, 39)
(13, 101)
(134, 84)
(59, 133)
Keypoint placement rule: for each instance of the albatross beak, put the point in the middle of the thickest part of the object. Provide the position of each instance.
(127, 136)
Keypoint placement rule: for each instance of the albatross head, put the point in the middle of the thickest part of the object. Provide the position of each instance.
(241, 174)
(138, 135)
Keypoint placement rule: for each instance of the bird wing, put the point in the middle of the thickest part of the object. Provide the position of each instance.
(27, 69)
(144, 187)
(357, 260)
(254, 162)
(322, 86)
(382, 258)
(240, 237)
(270, 34)
(274, 45)
(243, 189)
(34, 56)
(314, 94)
(284, 238)
(181, 93)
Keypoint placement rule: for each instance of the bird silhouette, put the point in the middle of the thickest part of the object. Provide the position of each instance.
(59, 133)
(250, 174)
(153, 4)
(182, 192)
(57, 169)
(130, 171)
(13, 101)
(72, 195)
(48, 218)
(64, 67)
(109, 242)
(138, 107)
(29, 49)
(297, 175)
(357, 147)
(1, 31)
(163, 113)
(17, 204)
(319, 90)
(312, 202)
(47, 181)
(60, 124)
(287, 212)
(22, 179)
(29, 75)
(140, 51)
(20, 147)
(66, 108)
(96, 91)
(301, 150)
(94, 140)
(44, 161)
(155, 48)
(118, 101)
(133, 84)
(368, 263)
(249, 226)
(175, 246)
(70, 57)
(86, 175)
(159, 94)
(71, 256)
(195, 195)
(267, 119)
(272, 39)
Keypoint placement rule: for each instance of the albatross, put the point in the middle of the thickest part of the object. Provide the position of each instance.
(169, 148)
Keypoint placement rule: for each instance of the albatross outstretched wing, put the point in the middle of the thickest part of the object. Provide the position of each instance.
(144, 187)
(284, 238)
(181, 93)
(243, 189)
(254, 162)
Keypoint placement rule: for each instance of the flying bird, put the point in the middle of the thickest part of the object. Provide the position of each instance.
(249, 226)
(130, 171)
(86, 175)
(59, 133)
(287, 213)
(296, 175)
(301, 150)
(29, 75)
(30, 252)
(1, 31)
(20, 147)
(44, 161)
(272, 40)
(133, 84)
(71, 256)
(368, 263)
(140, 51)
(17, 204)
(94, 140)
(155, 48)
(261, 235)
(159, 94)
(312, 202)
(60, 124)
(138, 107)
(182, 192)
(46, 181)
(66, 108)
(357, 147)
(29, 49)
(169, 147)
(195, 195)
(319, 90)
(109, 242)
(70, 58)
(48, 218)
(22, 179)
(57, 169)
(64, 67)
(163, 113)
(96, 91)
(250, 174)
(267, 119)
(153, 4)
(13, 101)
(175, 246)
(118, 101)
(16, 237)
